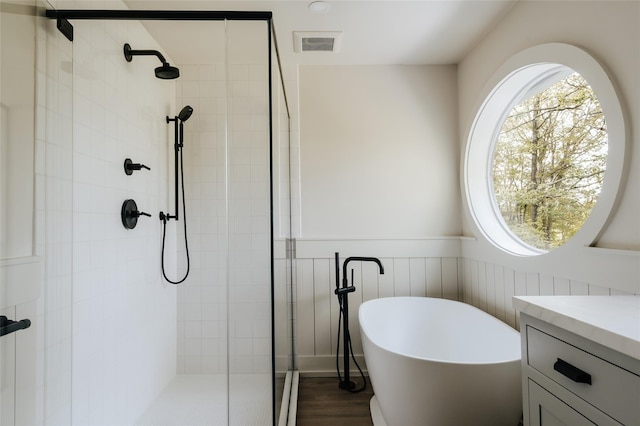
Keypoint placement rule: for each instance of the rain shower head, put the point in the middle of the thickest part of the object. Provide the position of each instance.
(167, 72)
(164, 72)
(185, 113)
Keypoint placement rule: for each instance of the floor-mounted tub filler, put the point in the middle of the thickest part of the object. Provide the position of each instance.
(440, 362)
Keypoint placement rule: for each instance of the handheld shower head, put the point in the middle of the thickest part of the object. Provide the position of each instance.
(182, 116)
(185, 113)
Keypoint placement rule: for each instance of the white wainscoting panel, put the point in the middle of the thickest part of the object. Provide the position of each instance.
(490, 287)
(418, 267)
(421, 268)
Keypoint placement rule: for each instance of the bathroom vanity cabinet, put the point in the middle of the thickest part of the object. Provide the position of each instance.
(580, 360)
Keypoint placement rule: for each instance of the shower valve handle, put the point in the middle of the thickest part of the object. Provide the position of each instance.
(130, 214)
(130, 166)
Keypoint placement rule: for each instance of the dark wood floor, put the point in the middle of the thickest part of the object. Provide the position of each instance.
(322, 403)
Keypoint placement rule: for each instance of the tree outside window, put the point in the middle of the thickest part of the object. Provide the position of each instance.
(549, 163)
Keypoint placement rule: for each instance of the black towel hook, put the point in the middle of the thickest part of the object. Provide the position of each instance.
(8, 326)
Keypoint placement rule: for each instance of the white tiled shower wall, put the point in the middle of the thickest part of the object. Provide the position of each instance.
(226, 160)
(202, 325)
(108, 343)
(103, 288)
(124, 332)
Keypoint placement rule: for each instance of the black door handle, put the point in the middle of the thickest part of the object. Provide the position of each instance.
(572, 372)
(8, 326)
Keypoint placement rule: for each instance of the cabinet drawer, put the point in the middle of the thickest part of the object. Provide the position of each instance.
(546, 409)
(613, 390)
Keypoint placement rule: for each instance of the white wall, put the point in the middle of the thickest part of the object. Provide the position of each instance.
(378, 152)
(610, 32)
(378, 177)
(17, 135)
(124, 329)
(23, 356)
(55, 114)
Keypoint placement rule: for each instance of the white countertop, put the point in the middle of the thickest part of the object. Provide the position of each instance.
(612, 321)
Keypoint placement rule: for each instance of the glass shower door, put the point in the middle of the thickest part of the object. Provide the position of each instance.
(224, 307)
(249, 224)
(214, 332)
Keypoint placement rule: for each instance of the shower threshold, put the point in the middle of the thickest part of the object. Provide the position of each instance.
(203, 400)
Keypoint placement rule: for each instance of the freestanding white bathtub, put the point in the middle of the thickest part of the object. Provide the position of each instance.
(437, 362)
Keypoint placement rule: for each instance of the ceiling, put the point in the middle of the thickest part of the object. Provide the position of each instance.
(374, 32)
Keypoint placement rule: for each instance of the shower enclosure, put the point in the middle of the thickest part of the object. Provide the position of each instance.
(120, 345)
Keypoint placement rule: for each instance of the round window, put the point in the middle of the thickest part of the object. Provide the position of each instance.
(545, 154)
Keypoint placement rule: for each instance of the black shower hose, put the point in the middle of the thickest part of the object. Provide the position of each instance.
(184, 220)
(364, 380)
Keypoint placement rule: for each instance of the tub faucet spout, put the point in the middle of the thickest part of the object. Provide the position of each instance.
(359, 259)
(343, 300)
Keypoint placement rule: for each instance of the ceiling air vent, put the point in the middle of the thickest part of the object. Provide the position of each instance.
(316, 41)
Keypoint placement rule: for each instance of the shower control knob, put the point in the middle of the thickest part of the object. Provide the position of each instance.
(130, 214)
(130, 166)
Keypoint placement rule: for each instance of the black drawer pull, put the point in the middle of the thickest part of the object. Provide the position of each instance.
(574, 373)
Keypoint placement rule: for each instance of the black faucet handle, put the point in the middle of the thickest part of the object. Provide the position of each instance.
(342, 290)
(130, 166)
(129, 214)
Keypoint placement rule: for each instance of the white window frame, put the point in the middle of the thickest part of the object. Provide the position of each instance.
(523, 74)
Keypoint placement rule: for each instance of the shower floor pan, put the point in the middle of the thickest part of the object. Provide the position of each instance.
(201, 400)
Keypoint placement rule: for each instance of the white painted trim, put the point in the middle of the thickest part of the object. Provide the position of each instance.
(293, 399)
(279, 248)
(324, 248)
(286, 400)
(615, 251)
(376, 414)
(325, 365)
